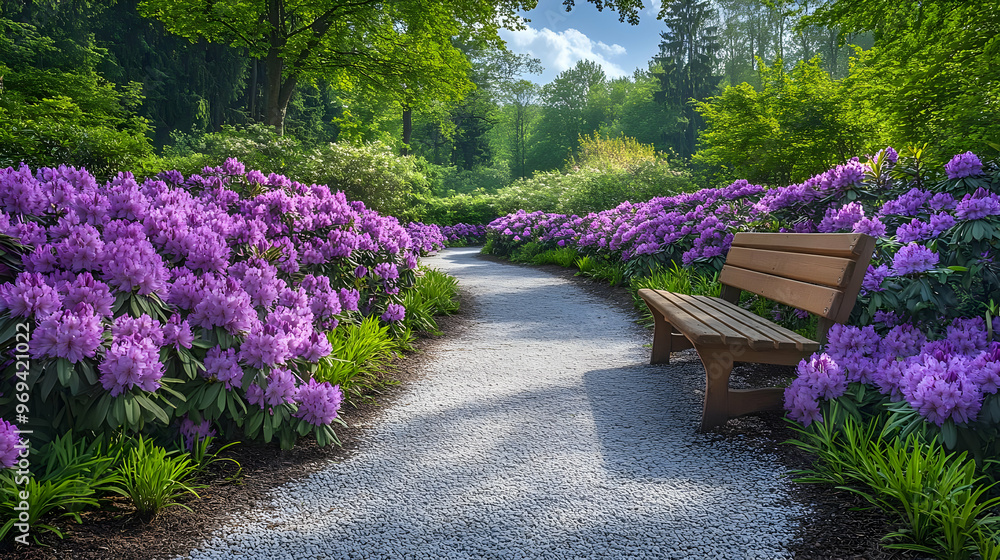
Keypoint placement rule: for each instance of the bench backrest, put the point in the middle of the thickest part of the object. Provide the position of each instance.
(818, 272)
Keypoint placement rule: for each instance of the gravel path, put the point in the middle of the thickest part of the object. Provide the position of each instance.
(538, 432)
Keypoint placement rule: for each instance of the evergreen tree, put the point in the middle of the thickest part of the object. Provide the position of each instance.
(689, 57)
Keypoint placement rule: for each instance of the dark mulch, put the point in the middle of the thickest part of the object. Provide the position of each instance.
(837, 527)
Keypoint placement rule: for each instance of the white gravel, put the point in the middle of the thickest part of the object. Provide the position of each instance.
(539, 432)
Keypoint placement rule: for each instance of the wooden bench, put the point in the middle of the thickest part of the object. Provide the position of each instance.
(817, 272)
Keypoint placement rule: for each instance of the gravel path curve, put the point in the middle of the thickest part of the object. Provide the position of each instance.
(539, 432)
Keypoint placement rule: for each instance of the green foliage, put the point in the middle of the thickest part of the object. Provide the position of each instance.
(673, 278)
(936, 494)
(452, 180)
(688, 59)
(438, 288)
(91, 465)
(606, 153)
(584, 190)
(56, 111)
(371, 173)
(931, 75)
(361, 353)
(526, 253)
(154, 479)
(32, 501)
(799, 124)
(202, 458)
(457, 209)
(562, 256)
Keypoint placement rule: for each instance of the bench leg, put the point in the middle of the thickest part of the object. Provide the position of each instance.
(718, 364)
(662, 331)
(666, 339)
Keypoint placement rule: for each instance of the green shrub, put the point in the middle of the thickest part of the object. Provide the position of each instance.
(563, 256)
(612, 273)
(475, 208)
(453, 181)
(42, 500)
(937, 495)
(50, 118)
(372, 173)
(526, 253)
(674, 279)
(91, 465)
(440, 289)
(154, 479)
(361, 353)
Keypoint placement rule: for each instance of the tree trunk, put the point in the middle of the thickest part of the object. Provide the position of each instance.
(407, 130)
(279, 92)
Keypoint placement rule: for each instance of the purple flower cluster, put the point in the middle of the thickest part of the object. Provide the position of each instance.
(428, 238)
(465, 233)
(193, 433)
(10, 444)
(319, 402)
(271, 270)
(942, 379)
(963, 165)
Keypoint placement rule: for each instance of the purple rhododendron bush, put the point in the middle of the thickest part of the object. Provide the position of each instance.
(920, 344)
(197, 304)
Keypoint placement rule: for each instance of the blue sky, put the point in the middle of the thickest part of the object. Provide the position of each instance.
(560, 38)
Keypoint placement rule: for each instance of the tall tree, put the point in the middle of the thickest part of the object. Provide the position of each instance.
(564, 114)
(521, 99)
(689, 58)
(402, 49)
(933, 71)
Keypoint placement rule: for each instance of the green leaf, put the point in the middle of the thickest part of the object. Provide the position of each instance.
(49, 380)
(220, 401)
(153, 408)
(949, 434)
(131, 411)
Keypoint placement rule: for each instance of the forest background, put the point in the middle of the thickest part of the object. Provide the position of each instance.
(421, 112)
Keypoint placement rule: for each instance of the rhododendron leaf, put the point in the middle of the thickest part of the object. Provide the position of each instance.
(220, 401)
(131, 411)
(209, 395)
(253, 423)
(64, 370)
(87, 369)
(153, 408)
(165, 388)
(10, 327)
(949, 434)
(268, 428)
(117, 413)
(231, 401)
(49, 379)
(120, 300)
(303, 428)
(74, 385)
(99, 412)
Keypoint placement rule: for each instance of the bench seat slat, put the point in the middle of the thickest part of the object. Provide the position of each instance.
(780, 337)
(835, 272)
(693, 329)
(687, 311)
(712, 321)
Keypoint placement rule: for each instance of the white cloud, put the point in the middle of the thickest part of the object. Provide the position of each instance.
(653, 9)
(561, 50)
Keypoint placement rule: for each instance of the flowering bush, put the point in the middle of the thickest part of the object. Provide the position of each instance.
(426, 238)
(464, 234)
(186, 300)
